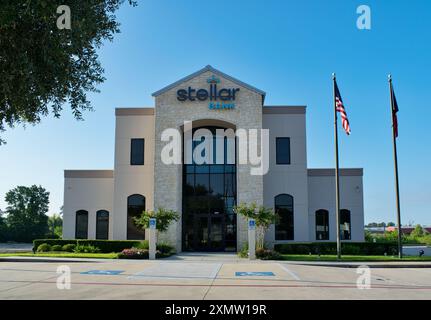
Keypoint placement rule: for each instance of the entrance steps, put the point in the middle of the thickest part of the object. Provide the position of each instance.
(207, 256)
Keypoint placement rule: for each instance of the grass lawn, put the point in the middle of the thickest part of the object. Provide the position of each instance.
(62, 255)
(306, 257)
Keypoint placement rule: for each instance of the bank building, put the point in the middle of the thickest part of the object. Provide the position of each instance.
(100, 204)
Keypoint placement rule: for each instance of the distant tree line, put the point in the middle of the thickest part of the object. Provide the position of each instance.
(25, 218)
(418, 236)
(380, 224)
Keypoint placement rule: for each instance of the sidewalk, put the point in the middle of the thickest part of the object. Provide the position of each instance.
(227, 258)
(15, 247)
(370, 264)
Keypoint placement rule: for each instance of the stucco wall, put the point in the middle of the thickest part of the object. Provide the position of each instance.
(90, 194)
(290, 179)
(129, 180)
(322, 196)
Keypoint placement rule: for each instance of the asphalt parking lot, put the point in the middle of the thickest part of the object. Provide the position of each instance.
(167, 279)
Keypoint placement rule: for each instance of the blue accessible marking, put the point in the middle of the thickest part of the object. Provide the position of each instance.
(254, 274)
(104, 272)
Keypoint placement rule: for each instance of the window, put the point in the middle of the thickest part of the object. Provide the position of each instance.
(209, 196)
(102, 224)
(345, 225)
(283, 150)
(81, 224)
(135, 206)
(284, 210)
(137, 147)
(322, 224)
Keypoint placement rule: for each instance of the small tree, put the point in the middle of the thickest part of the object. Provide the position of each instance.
(55, 226)
(163, 216)
(264, 218)
(418, 232)
(26, 213)
(3, 228)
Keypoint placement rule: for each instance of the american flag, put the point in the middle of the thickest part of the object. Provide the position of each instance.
(394, 112)
(340, 108)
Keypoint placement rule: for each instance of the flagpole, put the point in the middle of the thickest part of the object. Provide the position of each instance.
(397, 187)
(337, 179)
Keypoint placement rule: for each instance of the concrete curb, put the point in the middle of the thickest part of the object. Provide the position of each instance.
(373, 265)
(48, 259)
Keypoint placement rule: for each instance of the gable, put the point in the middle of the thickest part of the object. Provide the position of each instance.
(211, 92)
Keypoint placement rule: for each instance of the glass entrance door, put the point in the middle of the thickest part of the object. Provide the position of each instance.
(209, 196)
(209, 232)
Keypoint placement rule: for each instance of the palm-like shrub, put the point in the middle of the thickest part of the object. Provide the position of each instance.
(263, 216)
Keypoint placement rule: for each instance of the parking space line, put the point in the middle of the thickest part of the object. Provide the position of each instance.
(164, 271)
(290, 272)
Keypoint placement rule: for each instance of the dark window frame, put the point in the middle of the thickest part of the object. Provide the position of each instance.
(78, 214)
(325, 233)
(192, 173)
(346, 235)
(290, 233)
(278, 159)
(133, 160)
(134, 234)
(98, 226)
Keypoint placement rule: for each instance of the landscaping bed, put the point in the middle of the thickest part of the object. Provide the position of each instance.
(330, 248)
(108, 249)
(351, 258)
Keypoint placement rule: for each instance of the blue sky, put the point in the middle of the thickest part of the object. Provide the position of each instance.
(288, 49)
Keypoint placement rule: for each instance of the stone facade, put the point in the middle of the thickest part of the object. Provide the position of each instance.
(170, 113)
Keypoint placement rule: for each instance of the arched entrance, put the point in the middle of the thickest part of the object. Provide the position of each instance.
(209, 195)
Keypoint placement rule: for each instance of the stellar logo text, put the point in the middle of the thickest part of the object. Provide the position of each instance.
(217, 96)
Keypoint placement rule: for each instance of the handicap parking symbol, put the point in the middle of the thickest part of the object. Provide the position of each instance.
(254, 274)
(104, 272)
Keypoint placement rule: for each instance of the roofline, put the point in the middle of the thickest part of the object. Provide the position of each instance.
(284, 109)
(107, 174)
(134, 111)
(331, 172)
(149, 111)
(218, 72)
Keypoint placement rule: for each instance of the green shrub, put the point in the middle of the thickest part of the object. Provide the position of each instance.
(165, 248)
(51, 242)
(108, 246)
(267, 254)
(44, 247)
(350, 249)
(56, 247)
(141, 245)
(86, 249)
(326, 248)
(105, 246)
(427, 239)
(244, 251)
(134, 253)
(69, 247)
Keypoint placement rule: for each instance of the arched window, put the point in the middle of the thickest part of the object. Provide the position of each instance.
(284, 210)
(102, 224)
(81, 224)
(345, 225)
(322, 224)
(135, 207)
